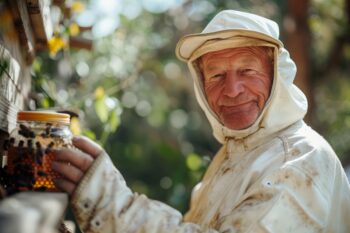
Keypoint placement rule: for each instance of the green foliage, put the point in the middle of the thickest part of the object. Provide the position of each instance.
(327, 21)
(329, 27)
(333, 111)
(101, 109)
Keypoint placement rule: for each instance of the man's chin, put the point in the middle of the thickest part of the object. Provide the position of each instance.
(239, 120)
(238, 124)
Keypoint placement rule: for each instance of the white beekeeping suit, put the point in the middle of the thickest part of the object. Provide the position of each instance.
(276, 176)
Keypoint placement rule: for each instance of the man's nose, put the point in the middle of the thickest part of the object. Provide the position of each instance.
(233, 85)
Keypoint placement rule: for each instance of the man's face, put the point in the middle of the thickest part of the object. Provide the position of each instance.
(237, 83)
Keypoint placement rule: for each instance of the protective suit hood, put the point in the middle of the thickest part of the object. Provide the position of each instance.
(231, 29)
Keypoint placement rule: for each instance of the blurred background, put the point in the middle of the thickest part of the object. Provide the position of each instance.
(112, 64)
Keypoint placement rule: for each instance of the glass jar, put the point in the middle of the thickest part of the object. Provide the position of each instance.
(27, 161)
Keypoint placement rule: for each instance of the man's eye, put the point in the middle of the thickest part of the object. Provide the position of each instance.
(216, 76)
(248, 72)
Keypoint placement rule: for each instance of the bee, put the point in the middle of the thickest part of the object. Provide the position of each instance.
(26, 132)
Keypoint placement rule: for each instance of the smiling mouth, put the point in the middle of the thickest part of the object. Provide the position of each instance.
(242, 107)
(236, 105)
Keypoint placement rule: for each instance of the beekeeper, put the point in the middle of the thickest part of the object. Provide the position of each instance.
(273, 173)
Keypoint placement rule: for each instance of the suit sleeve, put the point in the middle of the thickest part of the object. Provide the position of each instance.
(103, 203)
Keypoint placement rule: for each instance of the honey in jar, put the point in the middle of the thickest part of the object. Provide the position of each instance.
(27, 161)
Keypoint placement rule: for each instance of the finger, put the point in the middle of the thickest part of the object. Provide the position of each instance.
(75, 157)
(87, 145)
(65, 185)
(68, 171)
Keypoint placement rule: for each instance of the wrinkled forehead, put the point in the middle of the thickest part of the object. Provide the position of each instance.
(244, 54)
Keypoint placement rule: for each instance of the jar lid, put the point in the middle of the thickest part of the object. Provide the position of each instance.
(47, 116)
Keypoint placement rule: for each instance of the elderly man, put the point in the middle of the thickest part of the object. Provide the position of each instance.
(273, 172)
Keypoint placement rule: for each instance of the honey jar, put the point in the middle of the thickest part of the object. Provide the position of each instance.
(28, 152)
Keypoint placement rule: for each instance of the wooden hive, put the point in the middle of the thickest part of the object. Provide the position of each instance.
(25, 28)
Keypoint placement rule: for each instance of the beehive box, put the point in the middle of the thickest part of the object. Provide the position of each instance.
(24, 29)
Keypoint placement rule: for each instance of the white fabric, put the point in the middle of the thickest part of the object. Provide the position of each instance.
(276, 176)
(228, 24)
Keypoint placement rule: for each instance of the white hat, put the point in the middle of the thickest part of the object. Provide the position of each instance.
(228, 24)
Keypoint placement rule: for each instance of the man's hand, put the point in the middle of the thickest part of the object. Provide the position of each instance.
(72, 164)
